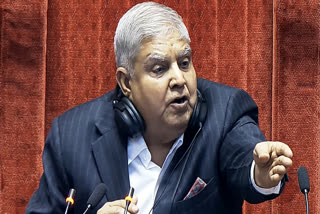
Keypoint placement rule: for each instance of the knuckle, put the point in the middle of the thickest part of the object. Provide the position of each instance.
(119, 210)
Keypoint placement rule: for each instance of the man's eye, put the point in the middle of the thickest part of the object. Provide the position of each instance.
(185, 64)
(158, 69)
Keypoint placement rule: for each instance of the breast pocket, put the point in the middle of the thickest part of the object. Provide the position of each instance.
(208, 200)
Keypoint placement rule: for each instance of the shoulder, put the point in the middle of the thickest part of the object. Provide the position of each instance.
(88, 112)
(213, 91)
(79, 126)
(207, 86)
(226, 102)
(217, 94)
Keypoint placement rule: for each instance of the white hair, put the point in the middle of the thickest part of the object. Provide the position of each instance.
(144, 21)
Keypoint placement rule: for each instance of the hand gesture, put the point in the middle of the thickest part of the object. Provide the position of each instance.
(272, 160)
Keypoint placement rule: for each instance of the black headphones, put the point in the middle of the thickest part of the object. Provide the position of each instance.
(131, 122)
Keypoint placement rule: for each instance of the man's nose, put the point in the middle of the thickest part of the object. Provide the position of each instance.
(177, 77)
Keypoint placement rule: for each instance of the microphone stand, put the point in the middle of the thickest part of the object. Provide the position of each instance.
(86, 210)
(306, 198)
(70, 200)
(67, 208)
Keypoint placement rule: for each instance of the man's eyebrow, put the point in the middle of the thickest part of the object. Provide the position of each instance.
(186, 52)
(156, 57)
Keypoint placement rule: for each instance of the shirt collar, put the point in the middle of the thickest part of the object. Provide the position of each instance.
(137, 147)
(176, 145)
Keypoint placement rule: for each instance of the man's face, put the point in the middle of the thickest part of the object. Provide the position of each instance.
(163, 87)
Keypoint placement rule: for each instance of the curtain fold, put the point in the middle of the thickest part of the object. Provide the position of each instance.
(22, 87)
(296, 91)
(56, 54)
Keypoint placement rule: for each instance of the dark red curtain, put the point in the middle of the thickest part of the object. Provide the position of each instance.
(55, 54)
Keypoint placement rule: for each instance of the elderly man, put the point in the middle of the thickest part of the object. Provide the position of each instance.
(186, 145)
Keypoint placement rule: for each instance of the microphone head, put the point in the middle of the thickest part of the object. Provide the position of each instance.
(303, 179)
(70, 198)
(72, 193)
(97, 195)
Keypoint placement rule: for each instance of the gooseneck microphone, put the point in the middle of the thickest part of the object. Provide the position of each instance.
(96, 196)
(70, 199)
(128, 199)
(304, 184)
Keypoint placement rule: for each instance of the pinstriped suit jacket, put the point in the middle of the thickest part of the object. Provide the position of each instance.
(85, 147)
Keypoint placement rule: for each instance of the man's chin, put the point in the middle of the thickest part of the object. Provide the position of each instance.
(180, 126)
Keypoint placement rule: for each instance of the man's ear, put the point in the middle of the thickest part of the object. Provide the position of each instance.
(123, 78)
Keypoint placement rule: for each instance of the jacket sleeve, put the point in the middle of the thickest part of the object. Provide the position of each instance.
(241, 134)
(53, 187)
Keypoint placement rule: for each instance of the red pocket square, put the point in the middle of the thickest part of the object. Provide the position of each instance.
(198, 185)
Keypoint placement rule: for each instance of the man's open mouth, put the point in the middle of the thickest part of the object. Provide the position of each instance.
(179, 100)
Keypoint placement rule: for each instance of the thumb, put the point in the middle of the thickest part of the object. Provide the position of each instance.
(261, 153)
(135, 200)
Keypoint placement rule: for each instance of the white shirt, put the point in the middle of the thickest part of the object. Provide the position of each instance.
(145, 176)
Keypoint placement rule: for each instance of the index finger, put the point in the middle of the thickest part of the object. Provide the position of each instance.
(281, 149)
(263, 151)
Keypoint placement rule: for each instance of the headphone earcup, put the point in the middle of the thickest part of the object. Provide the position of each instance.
(127, 117)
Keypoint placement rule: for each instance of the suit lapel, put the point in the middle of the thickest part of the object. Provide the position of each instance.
(110, 153)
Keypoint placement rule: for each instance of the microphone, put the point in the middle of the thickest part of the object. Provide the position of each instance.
(96, 196)
(128, 199)
(70, 199)
(304, 184)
